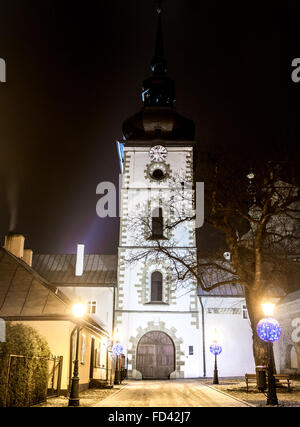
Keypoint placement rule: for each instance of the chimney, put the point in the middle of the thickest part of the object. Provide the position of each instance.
(79, 260)
(14, 243)
(27, 257)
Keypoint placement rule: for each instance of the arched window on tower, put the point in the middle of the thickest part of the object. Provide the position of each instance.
(156, 287)
(157, 224)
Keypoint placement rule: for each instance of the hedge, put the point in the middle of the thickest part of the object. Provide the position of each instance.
(26, 383)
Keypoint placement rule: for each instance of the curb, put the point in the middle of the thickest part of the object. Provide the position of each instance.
(229, 395)
(108, 397)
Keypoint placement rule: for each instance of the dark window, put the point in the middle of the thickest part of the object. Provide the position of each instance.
(245, 312)
(158, 131)
(191, 350)
(158, 174)
(157, 223)
(92, 307)
(156, 286)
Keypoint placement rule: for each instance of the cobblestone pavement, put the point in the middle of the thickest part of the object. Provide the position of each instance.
(176, 393)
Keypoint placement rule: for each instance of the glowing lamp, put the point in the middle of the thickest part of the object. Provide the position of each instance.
(268, 308)
(268, 329)
(215, 336)
(79, 309)
(117, 335)
(215, 349)
(117, 349)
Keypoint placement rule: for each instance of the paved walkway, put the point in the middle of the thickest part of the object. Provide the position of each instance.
(174, 393)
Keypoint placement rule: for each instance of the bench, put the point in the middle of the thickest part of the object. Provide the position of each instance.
(280, 378)
(249, 378)
(283, 378)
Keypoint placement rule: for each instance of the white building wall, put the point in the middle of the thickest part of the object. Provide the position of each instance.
(234, 335)
(102, 296)
(287, 348)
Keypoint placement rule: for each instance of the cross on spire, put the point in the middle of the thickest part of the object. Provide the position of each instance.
(158, 6)
(159, 65)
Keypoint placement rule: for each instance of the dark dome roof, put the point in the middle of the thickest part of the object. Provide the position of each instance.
(158, 122)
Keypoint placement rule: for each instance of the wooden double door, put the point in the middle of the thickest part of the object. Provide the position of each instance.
(156, 356)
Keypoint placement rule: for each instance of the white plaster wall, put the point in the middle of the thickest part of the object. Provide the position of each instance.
(235, 337)
(133, 280)
(138, 158)
(138, 204)
(140, 195)
(287, 348)
(103, 297)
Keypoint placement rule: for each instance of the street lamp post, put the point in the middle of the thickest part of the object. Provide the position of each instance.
(117, 350)
(268, 330)
(215, 349)
(78, 311)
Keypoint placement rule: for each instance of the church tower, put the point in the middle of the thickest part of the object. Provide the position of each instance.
(156, 314)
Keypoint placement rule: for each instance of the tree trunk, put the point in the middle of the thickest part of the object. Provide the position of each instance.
(260, 349)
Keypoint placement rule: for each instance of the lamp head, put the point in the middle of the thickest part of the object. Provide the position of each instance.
(117, 335)
(215, 336)
(268, 308)
(79, 309)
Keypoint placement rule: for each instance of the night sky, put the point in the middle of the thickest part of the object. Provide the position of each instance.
(74, 74)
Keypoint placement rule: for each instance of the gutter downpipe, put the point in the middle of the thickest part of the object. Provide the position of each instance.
(114, 311)
(71, 357)
(113, 330)
(203, 337)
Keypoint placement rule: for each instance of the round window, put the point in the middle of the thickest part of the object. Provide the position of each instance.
(158, 174)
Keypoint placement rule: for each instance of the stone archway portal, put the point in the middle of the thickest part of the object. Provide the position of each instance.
(156, 356)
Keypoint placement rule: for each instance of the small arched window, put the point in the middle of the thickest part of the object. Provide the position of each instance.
(156, 287)
(157, 224)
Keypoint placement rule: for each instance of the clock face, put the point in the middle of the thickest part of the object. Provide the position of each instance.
(158, 153)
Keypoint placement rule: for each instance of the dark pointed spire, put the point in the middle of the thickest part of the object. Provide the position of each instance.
(159, 64)
(159, 47)
(158, 118)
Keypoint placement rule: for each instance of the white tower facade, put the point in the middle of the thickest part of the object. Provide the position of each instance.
(158, 319)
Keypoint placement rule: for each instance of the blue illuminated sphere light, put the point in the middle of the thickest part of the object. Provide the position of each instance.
(215, 349)
(268, 329)
(117, 349)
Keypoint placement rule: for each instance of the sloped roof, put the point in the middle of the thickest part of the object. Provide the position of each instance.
(214, 271)
(99, 270)
(293, 296)
(223, 291)
(23, 293)
(238, 291)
